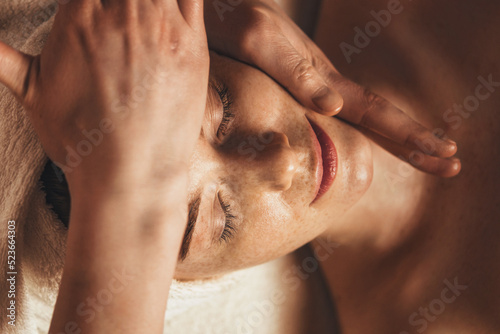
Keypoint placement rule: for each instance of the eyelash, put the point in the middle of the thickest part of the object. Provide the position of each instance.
(227, 102)
(229, 227)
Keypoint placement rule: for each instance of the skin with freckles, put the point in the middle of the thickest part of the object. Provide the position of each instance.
(264, 168)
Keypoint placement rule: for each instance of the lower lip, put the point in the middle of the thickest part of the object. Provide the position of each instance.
(329, 157)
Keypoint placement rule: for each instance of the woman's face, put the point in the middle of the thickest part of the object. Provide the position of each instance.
(256, 171)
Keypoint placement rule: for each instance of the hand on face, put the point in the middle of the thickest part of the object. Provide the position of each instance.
(259, 33)
(122, 80)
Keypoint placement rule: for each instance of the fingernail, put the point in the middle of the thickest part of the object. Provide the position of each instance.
(444, 138)
(327, 100)
(449, 141)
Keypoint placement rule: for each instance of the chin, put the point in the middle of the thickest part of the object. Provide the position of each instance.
(358, 162)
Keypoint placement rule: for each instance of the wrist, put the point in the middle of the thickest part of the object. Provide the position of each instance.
(127, 179)
(134, 192)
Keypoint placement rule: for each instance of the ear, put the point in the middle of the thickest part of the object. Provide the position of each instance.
(14, 68)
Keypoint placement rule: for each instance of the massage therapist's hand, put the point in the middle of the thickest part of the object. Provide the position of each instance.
(139, 68)
(259, 33)
(129, 78)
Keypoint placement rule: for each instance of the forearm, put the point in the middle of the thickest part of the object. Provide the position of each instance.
(84, 83)
(120, 259)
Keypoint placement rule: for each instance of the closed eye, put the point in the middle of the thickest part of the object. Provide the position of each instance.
(229, 227)
(227, 108)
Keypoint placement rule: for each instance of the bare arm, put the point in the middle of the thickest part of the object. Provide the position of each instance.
(121, 256)
(129, 203)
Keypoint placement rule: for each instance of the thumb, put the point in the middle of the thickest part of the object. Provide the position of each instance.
(297, 74)
(304, 81)
(14, 68)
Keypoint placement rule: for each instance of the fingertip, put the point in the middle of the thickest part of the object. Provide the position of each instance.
(14, 66)
(434, 146)
(339, 102)
(448, 148)
(454, 168)
(452, 146)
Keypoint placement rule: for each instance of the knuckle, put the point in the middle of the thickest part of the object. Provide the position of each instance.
(372, 100)
(255, 29)
(316, 61)
(259, 15)
(326, 70)
(78, 24)
(373, 103)
(175, 42)
(303, 70)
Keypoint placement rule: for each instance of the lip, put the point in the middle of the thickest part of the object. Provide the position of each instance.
(326, 160)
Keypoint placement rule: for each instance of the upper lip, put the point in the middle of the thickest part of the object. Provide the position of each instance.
(318, 164)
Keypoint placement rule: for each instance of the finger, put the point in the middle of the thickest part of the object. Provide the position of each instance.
(442, 167)
(305, 46)
(14, 68)
(379, 115)
(192, 10)
(304, 82)
(281, 61)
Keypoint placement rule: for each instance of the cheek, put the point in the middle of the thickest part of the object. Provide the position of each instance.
(266, 217)
(273, 229)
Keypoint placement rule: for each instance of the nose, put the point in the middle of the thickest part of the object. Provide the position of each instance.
(268, 161)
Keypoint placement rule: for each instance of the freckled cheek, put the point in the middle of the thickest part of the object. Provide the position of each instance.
(301, 194)
(267, 220)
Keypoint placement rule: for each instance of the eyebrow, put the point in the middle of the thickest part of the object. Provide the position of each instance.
(194, 208)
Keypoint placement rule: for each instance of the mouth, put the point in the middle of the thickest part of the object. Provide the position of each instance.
(326, 160)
